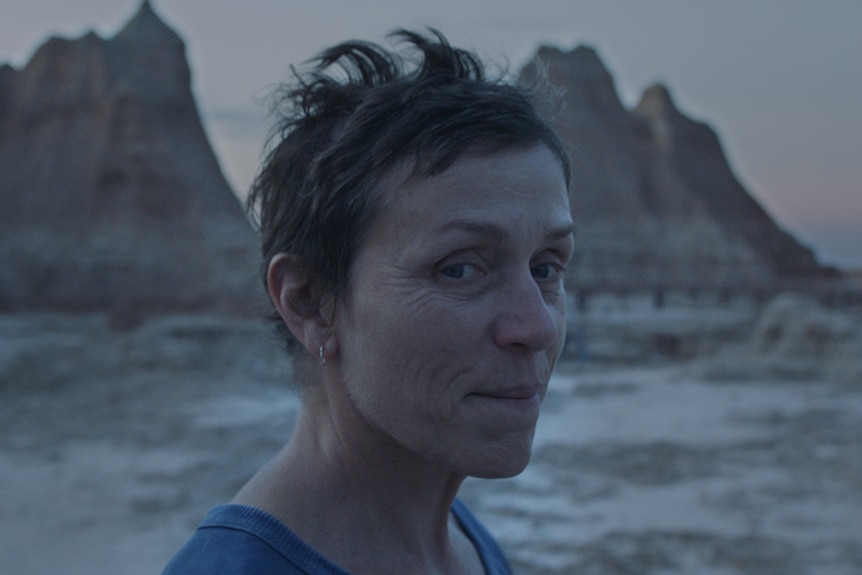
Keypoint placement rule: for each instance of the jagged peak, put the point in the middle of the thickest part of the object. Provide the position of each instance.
(7, 69)
(657, 102)
(583, 58)
(580, 74)
(146, 24)
(586, 54)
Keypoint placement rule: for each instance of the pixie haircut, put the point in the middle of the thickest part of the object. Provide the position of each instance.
(358, 113)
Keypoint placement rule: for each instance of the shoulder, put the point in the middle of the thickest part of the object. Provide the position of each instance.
(489, 551)
(240, 540)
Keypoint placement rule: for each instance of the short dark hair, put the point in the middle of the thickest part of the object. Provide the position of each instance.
(358, 113)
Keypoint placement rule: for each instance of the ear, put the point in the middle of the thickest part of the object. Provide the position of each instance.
(298, 299)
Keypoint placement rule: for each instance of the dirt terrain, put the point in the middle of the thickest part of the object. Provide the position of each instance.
(744, 460)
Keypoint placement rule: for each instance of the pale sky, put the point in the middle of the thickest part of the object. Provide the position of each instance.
(779, 80)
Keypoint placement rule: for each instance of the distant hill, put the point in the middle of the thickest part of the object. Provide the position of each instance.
(656, 202)
(111, 197)
(110, 194)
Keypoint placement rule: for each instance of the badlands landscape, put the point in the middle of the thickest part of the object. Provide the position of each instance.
(711, 432)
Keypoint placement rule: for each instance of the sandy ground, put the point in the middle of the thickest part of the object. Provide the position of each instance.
(114, 444)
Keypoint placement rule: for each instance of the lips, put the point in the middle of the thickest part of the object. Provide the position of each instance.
(522, 392)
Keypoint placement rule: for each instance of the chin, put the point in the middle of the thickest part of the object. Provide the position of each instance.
(502, 463)
(501, 473)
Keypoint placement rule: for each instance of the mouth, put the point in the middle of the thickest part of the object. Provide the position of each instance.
(521, 393)
(518, 405)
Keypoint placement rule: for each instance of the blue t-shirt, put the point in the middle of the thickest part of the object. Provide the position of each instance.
(241, 540)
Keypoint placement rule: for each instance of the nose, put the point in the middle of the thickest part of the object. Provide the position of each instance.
(528, 319)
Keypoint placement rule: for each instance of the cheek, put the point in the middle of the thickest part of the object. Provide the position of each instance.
(436, 361)
(407, 349)
(407, 321)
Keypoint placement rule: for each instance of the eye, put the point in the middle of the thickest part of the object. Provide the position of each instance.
(460, 271)
(547, 271)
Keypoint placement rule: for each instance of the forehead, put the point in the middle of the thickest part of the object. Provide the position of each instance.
(530, 180)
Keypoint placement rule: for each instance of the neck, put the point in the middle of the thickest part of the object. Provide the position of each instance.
(351, 491)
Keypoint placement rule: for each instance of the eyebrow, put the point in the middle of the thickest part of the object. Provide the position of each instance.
(498, 233)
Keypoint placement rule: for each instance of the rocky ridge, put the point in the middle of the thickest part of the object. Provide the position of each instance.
(110, 194)
(656, 202)
(112, 198)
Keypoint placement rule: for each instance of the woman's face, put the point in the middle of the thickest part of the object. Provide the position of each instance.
(455, 313)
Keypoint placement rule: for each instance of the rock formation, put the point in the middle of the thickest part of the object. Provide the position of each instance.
(110, 194)
(656, 203)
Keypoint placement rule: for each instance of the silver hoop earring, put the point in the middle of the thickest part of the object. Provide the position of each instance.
(322, 357)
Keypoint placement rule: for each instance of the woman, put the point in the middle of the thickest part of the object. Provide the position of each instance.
(415, 225)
